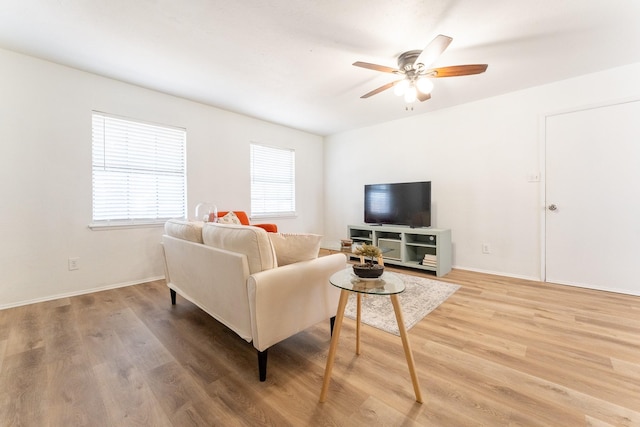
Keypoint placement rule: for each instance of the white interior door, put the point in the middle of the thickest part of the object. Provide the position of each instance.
(592, 174)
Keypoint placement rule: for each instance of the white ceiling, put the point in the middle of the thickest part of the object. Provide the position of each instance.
(289, 61)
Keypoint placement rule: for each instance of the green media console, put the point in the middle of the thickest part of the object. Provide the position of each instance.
(421, 248)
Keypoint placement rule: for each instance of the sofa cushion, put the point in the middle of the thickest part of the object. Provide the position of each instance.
(230, 218)
(291, 247)
(185, 230)
(245, 239)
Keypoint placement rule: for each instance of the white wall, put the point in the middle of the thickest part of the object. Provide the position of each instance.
(45, 177)
(478, 157)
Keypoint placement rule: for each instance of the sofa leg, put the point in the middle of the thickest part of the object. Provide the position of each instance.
(173, 296)
(262, 364)
(332, 321)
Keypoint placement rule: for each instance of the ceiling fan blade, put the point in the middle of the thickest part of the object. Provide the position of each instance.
(375, 67)
(457, 70)
(380, 89)
(433, 50)
(423, 96)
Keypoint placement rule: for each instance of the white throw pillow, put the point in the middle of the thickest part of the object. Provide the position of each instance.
(230, 218)
(291, 247)
(245, 239)
(185, 230)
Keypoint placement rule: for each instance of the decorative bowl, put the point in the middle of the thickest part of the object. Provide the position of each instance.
(368, 271)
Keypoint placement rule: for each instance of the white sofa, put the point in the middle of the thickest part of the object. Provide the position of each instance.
(232, 273)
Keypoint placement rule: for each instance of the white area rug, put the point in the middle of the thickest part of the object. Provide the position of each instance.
(420, 298)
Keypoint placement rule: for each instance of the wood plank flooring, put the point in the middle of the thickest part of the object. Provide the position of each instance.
(499, 352)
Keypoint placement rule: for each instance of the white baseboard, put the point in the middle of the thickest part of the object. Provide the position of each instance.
(538, 279)
(497, 273)
(83, 292)
(598, 288)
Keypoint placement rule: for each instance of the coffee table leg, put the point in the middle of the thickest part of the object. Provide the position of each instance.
(344, 297)
(358, 311)
(407, 347)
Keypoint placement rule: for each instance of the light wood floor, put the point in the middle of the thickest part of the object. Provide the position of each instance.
(499, 352)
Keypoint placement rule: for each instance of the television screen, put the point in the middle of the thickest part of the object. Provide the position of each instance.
(407, 203)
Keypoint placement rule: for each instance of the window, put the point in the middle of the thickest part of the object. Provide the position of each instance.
(139, 173)
(273, 179)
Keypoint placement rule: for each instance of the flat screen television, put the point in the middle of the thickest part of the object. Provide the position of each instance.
(405, 203)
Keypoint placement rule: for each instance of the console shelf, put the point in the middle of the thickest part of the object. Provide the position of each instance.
(420, 248)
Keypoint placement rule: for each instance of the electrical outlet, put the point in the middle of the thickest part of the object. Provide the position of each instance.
(486, 248)
(74, 264)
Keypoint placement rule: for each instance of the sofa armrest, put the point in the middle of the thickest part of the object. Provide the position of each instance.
(286, 300)
(213, 279)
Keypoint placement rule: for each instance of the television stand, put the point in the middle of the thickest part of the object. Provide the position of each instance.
(420, 248)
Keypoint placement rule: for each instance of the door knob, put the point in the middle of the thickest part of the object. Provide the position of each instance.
(552, 207)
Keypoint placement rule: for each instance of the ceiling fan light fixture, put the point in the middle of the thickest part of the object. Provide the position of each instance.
(410, 95)
(401, 87)
(424, 85)
(413, 65)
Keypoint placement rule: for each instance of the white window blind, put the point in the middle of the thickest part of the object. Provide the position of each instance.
(139, 172)
(273, 190)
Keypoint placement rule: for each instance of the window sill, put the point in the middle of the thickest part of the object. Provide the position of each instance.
(273, 216)
(115, 225)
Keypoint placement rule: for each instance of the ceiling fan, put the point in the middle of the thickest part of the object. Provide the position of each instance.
(413, 66)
